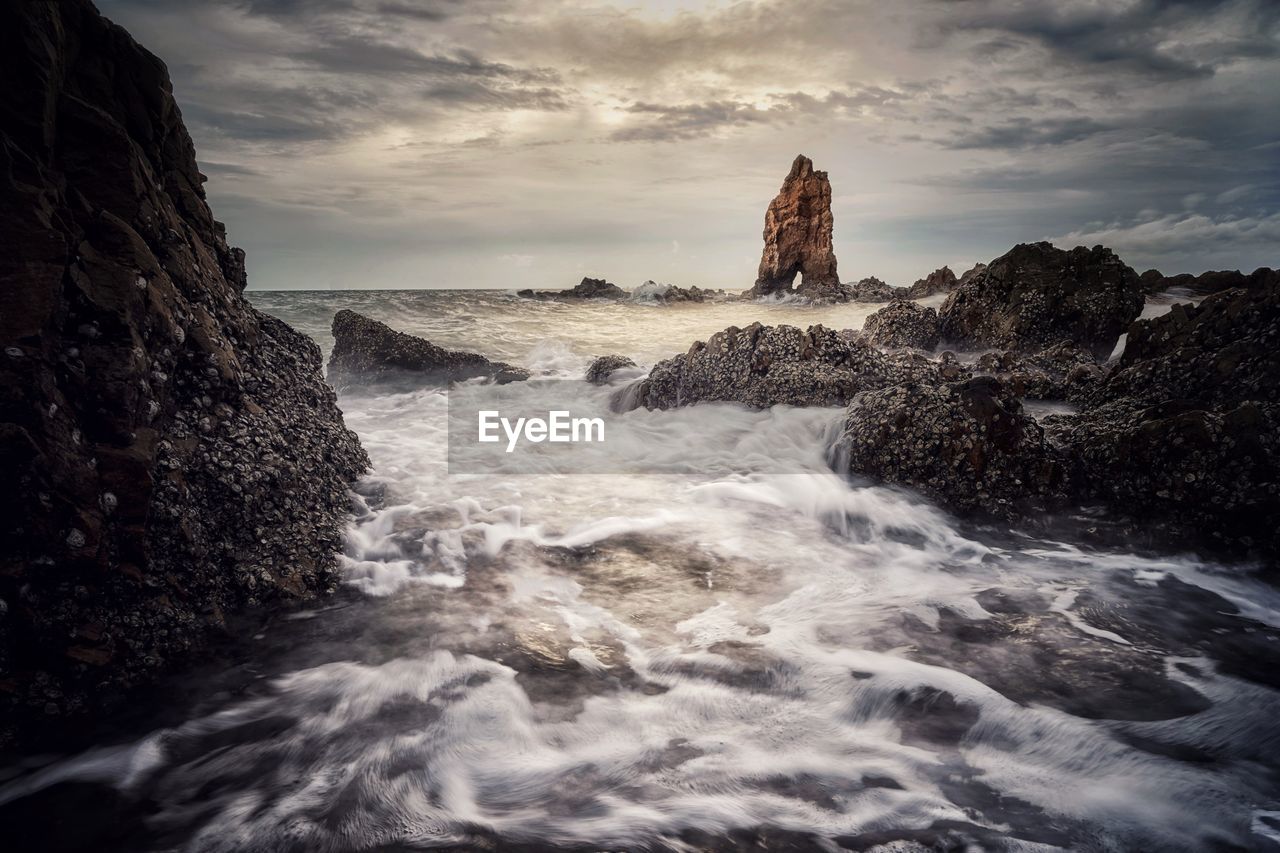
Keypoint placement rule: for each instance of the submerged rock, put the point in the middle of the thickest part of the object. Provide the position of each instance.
(1037, 295)
(365, 350)
(967, 445)
(605, 366)
(797, 237)
(762, 366)
(172, 455)
(903, 324)
(939, 281)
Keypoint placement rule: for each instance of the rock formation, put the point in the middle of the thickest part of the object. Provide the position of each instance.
(762, 366)
(605, 366)
(171, 455)
(366, 351)
(1060, 372)
(588, 288)
(654, 292)
(967, 445)
(1037, 295)
(939, 281)
(872, 289)
(797, 237)
(1207, 282)
(903, 324)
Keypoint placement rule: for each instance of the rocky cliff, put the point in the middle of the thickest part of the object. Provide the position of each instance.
(797, 236)
(170, 454)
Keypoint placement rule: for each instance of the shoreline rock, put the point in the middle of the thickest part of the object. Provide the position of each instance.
(367, 351)
(588, 288)
(1037, 295)
(173, 454)
(903, 324)
(602, 368)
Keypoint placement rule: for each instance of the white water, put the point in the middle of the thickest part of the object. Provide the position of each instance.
(614, 660)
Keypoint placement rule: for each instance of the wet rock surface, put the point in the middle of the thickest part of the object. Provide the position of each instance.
(172, 454)
(967, 445)
(1060, 372)
(797, 237)
(1037, 295)
(365, 350)
(602, 368)
(762, 366)
(669, 293)
(903, 324)
(870, 289)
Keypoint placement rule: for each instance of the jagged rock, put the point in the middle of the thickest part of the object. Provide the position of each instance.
(1206, 283)
(871, 289)
(366, 351)
(1182, 471)
(939, 281)
(1224, 351)
(652, 291)
(171, 454)
(967, 445)
(1060, 372)
(903, 324)
(588, 288)
(762, 366)
(605, 366)
(797, 237)
(968, 275)
(1037, 295)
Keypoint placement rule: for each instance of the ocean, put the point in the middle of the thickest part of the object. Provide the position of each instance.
(729, 647)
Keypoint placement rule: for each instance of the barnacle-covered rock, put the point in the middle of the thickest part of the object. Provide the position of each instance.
(1037, 295)
(762, 366)
(967, 445)
(605, 366)
(903, 324)
(939, 281)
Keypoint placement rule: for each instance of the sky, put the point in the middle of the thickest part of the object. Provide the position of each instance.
(529, 143)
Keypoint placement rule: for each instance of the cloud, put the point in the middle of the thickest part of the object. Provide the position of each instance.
(1185, 236)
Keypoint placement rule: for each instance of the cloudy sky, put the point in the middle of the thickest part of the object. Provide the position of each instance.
(515, 143)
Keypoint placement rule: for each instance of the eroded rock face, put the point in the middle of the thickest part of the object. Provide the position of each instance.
(1037, 295)
(967, 445)
(171, 454)
(939, 281)
(366, 351)
(903, 324)
(797, 236)
(605, 366)
(1060, 372)
(762, 366)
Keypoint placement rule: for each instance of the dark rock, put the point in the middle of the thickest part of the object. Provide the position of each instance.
(903, 324)
(1037, 295)
(1208, 282)
(797, 237)
(1226, 350)
(604, 366)
(1060, 372)
(651, 290)
(939, 281)
(588, 288)
(171, 454)
(967, 445)
(763, 366)
(365, 350)
(871, 290)
(969, 274)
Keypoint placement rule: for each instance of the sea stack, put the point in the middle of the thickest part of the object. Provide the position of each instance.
(797, 237)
